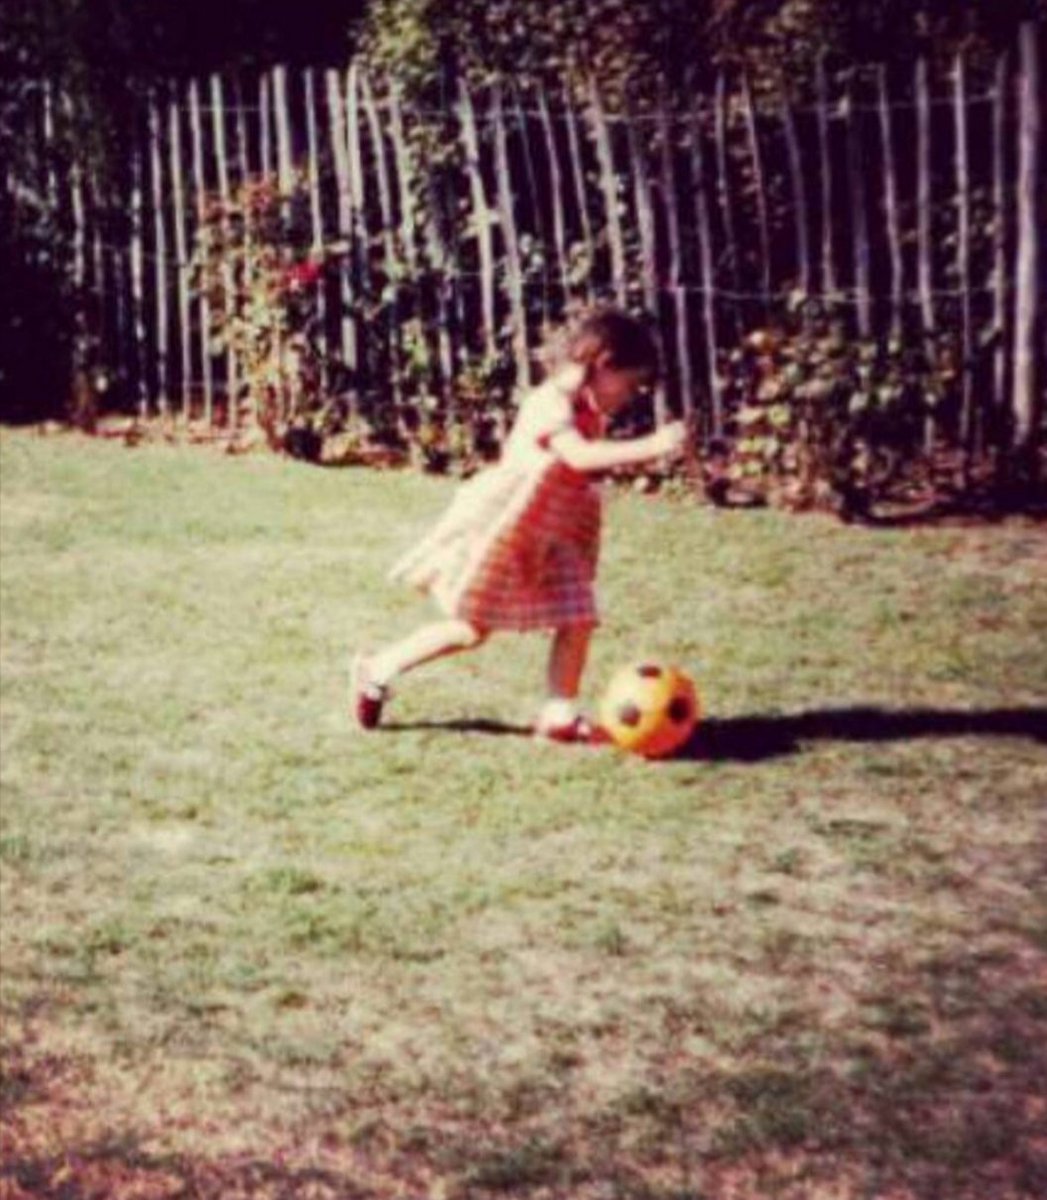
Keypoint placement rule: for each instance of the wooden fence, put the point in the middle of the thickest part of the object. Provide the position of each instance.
(907, 201)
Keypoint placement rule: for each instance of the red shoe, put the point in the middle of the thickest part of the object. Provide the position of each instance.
(368, 697)
(580, 731)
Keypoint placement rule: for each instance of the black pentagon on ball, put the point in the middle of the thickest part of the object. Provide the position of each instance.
(680, 710)
(649, 671)
(629, 714)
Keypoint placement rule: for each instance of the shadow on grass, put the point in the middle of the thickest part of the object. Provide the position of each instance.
(931, 1091)
(118, 1167)
(461, 725)
(985, 506)
(751, 739)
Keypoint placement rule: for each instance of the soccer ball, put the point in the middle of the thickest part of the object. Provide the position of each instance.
(650, 709)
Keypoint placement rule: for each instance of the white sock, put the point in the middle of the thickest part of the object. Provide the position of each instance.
(557, 712)
(373, 671)
(379, 675)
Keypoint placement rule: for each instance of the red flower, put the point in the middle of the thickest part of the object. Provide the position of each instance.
(302, 275)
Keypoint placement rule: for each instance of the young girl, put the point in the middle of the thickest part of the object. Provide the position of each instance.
(517, 549)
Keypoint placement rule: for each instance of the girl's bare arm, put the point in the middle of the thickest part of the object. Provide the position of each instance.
(602, 454)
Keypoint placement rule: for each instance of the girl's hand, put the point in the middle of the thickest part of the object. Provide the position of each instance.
(669, 439)
(570, 377)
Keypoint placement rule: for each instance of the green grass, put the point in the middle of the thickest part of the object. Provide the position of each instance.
(807, 959)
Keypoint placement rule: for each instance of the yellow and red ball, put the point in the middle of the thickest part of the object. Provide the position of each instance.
(650, 709)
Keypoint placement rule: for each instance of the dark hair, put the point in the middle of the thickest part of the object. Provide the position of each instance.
(630, 340)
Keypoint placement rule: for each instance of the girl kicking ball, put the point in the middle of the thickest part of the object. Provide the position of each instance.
(518, 547)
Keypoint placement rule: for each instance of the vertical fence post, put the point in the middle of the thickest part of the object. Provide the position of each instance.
(799, 190)
(242, 153)
(701, 203)
(648, 247)
(405, 176)
(382, 175)
(724, 190)
(556, 188)
(609, 183)
(50, 174)
(925, 281)
(265, 134)
(445, 204)
(315, 209)
(829, 285)
(118, 259)
(667, 181)
(644, 218)
(159, 259)
(218, 133)
(361, 268)
(85, 323)
(385, 211)
(481, 216)
(174, 145)
(438, 254)
(574, 143)
(535, 197)
(284, 167)
(76, 191)
(247, 281)
(1001, 326)
(138, 281)
(200, 189)
(923, 194)
(405, 180)
(231, 281)
(759, 187)
(968, 430)
(340, 155)
(890, 204)
(512, 246)
(408, 179)
(1027, 403)
(285, 184)
(98, 268)
(679, 292)
(859, 217)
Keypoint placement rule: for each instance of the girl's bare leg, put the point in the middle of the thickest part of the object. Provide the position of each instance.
(559, 718)
(567, 658)
(435, 640)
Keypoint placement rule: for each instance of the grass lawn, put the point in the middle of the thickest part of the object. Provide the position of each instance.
(250, 952)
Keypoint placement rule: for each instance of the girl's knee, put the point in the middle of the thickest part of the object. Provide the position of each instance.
(471, 635)
(574, 634)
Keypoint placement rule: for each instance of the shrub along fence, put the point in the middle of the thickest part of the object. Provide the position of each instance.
(896, 209)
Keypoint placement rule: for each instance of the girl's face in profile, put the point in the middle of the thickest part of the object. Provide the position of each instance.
(613, 387)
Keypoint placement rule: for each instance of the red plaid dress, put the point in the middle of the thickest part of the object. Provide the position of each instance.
(518, 546)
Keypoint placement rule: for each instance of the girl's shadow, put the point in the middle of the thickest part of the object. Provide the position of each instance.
(750, 739)
(461, 725)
